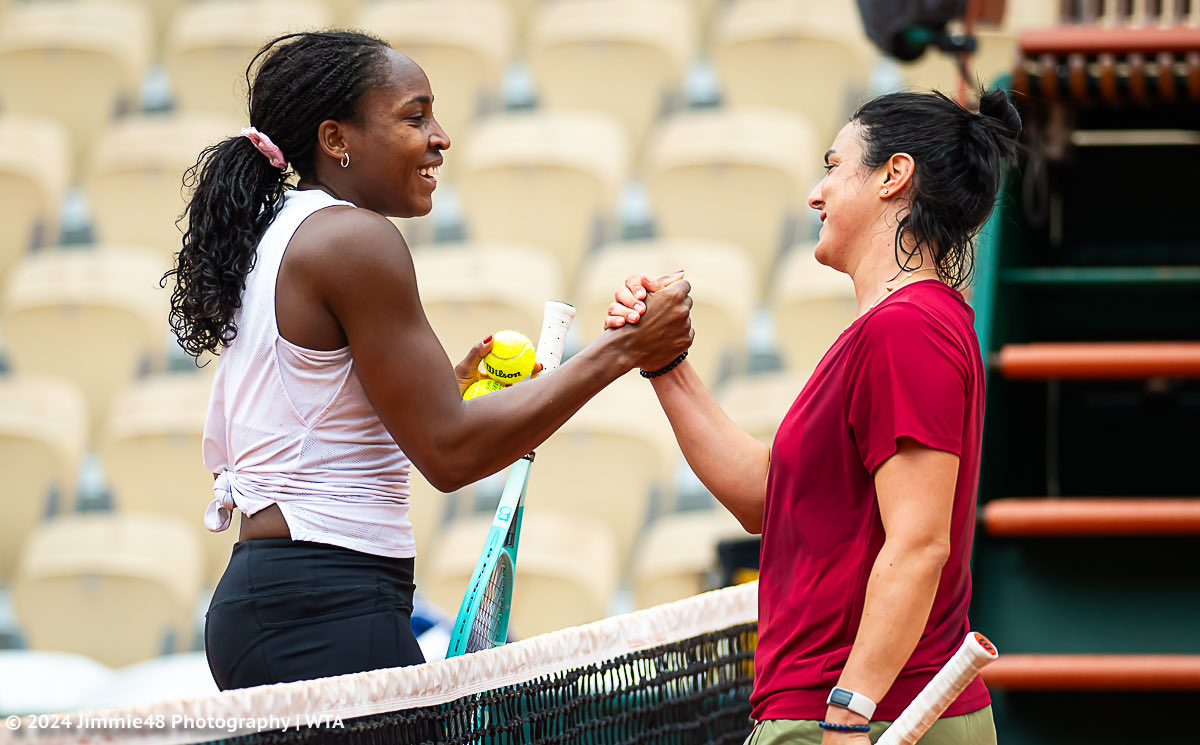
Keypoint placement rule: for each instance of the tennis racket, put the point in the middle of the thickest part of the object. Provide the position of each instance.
(975, 654)
(482, 621)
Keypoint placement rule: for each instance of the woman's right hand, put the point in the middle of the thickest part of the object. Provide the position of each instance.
(665, 328)
(629, 306)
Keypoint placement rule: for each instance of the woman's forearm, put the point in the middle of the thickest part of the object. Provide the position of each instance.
(899, 596)
(728, 461)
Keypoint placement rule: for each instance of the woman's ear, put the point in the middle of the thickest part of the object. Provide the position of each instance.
(897, 174)
(331, 138)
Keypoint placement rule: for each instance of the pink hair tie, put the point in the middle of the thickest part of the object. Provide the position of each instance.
(266, 147)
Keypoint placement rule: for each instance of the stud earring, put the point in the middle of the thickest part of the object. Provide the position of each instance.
(885, 191)
(345, 160)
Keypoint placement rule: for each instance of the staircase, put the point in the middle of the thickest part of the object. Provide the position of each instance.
(1087, 553)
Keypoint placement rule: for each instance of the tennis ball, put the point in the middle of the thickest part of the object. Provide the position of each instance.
(511, 358)
(481, 388)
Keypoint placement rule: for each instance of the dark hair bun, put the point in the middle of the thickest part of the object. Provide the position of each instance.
(997, 125)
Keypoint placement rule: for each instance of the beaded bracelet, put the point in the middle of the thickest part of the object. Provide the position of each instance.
(664, 370)
(845, 727)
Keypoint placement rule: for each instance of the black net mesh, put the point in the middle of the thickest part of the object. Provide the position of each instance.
(691, 691)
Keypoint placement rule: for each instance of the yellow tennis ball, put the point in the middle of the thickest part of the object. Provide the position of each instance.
(511, 358)
(481, 387)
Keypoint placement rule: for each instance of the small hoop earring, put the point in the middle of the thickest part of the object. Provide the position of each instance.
(345, 160)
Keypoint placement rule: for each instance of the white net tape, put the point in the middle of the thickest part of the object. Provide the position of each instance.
(273, 707)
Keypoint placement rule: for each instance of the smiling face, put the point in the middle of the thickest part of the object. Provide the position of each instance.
(395, 144)
(847, 201)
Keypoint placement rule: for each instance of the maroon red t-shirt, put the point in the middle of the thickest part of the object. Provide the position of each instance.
(909, 367)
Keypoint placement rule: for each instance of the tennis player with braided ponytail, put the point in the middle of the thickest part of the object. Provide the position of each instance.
(331, 383)
(866, 498)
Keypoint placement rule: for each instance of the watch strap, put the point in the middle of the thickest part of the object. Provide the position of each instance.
(851, 700)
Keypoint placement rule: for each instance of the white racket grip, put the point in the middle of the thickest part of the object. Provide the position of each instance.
(556, 322)
(975, 654)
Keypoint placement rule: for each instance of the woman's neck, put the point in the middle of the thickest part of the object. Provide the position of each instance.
(877, 279)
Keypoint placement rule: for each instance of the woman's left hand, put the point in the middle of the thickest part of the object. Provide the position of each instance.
(467, 371)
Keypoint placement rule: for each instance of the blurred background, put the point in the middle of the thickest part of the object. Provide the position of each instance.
(593, 139)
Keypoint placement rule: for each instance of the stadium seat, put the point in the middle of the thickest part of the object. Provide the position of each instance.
(34, 682)
(735, 175)
(463, 46)
(758, 402)
(151, 452)
(81, 577)
(470, 290)
(135, 188)
(567, 569)
(345, 12)
(43, 429)
(608, 462)
(724, 292)
(79, 62)
(548, 179)
(210, 44)
(622, 58)
(94, 316)
(811, 305)
(677, 557)
(35, 168)
(810, 57)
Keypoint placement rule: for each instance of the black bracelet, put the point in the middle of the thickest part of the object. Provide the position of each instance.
(845, 727)
(664, 370)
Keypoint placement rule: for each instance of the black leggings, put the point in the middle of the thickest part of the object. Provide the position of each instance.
(294, 610)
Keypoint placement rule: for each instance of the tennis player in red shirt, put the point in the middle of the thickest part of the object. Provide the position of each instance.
(866, 498)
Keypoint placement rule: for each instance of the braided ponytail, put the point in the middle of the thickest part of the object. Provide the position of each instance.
(301, 81)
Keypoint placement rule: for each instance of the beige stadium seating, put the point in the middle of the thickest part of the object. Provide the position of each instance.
(811, 305)
(608, 461)
(811, 57)
(733, 175)
(43, 429)
(119, 588)
(758, 402)
(463, 45)
(94, 316)
(35, 168)
(619, 57)
(567, 569)
(152, 455)
(677, 557)
(470, 290)
(135, 187)
(724, 292)
(546, 179)
(79, 62)
(210, 44)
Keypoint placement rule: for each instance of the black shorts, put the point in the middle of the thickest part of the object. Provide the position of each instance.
(295, 610)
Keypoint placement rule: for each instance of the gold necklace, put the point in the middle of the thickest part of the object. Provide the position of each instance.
(890, 286)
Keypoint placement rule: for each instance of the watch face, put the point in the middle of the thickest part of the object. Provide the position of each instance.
(840, 696)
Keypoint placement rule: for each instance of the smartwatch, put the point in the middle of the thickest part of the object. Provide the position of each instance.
(855, 702)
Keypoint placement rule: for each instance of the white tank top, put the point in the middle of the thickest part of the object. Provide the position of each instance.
(292, 426)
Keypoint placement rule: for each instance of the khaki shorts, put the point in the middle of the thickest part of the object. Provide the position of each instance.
(975, 728)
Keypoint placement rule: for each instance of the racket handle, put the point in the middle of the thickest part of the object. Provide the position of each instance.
(555, 323)
(975, 654)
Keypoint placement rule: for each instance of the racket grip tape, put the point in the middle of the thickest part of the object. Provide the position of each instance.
(975, 654)
(556, 322)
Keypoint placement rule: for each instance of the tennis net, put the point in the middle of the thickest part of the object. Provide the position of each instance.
(675, 674)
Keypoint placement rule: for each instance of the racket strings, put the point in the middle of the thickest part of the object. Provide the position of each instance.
(486, 626)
